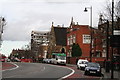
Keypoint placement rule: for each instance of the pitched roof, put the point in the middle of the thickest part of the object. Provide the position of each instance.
(60, 35)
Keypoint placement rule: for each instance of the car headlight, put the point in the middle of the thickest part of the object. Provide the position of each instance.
(87, 69)
(98, 70)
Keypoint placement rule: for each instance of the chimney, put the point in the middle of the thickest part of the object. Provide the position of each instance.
(77, 23)
(62, 25)
(58, 25)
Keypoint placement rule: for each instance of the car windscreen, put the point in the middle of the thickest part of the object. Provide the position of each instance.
(61, 57)
(92, 65)
(83, 62)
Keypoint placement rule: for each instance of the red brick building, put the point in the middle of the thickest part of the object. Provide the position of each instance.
(79, 34)
(99, 45)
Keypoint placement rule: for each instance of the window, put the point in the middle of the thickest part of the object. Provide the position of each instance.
(86, 39)
(68, 41)
(74, 38)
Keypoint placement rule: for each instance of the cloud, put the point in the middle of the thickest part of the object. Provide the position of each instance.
(23, 16)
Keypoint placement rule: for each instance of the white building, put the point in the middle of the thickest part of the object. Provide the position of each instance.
(39, 43)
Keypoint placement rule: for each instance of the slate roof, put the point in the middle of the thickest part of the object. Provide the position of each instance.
(60, 35)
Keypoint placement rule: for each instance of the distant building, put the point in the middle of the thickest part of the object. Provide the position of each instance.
(19, 53)
(57, 39)
(39, 43)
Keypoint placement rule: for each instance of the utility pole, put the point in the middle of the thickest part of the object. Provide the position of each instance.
(112, 71)
(107, 41)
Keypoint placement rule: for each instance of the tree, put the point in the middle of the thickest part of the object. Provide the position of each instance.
(107, 14)
(76, 50)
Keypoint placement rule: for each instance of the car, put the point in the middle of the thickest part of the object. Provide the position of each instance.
(51, 60)
(81, 64)
(2, 60)
(17, 60)
(45, 60)
(92, 68)
(48, 61)
(8, 60)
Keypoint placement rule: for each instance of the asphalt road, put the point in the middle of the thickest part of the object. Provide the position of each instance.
(36, 70)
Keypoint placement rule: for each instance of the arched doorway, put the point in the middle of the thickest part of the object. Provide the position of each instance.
(62, 50)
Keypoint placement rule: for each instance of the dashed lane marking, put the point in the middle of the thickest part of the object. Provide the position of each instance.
(43, 69)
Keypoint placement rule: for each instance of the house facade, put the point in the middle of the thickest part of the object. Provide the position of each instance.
(57, 40)
(105, 29)
(79, 34)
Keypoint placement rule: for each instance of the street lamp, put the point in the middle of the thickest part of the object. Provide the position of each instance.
(112, 69)
(2, 24)
(91, 30)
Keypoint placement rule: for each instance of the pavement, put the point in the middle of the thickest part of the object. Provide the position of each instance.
(6, 65)
(107, 75)
(79, 74)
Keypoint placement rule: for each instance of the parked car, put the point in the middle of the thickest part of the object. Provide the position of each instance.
(92, 68)
(26, 60)
(45, 60)
(48, 61)
(17, 60)
(81, 64)
(8, 60)
(2, 60)
(52, 60)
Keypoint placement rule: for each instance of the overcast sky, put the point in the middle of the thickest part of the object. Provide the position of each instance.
(23, 16)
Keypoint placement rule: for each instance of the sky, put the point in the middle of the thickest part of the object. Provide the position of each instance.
(8, 46)
(23, 16)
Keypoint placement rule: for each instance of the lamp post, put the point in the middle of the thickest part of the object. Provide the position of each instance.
(112, 69)
(91, 30)
(2, 24)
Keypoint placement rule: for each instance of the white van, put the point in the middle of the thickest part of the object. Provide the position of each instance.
(59, 58)
(82, 63)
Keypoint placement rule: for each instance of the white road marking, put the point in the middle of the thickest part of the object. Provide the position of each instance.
(43, 69)
(12, 68)
(73, 71)
(66, 75)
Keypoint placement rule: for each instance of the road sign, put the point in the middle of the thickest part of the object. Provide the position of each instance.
(116, 32)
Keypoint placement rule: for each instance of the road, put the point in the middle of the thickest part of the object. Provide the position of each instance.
(36, 70)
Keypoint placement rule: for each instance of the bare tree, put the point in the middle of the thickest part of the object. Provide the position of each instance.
(107, 13)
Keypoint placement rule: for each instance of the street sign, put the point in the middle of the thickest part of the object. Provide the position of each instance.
(116, 32)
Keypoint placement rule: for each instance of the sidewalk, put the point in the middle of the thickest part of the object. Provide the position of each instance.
(79, 74)
(107, 75)
(7, 65)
